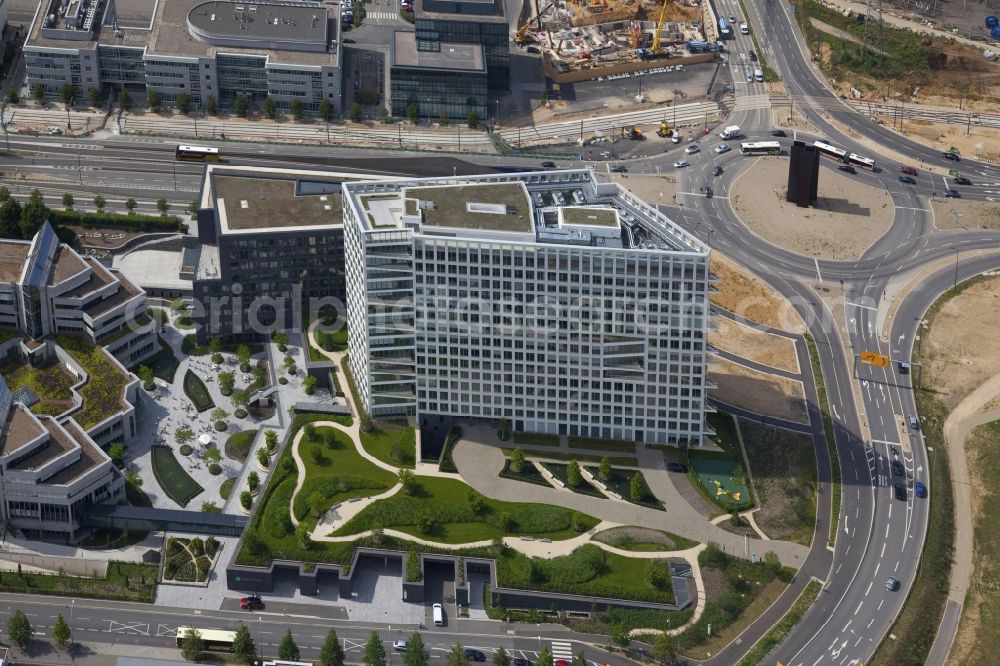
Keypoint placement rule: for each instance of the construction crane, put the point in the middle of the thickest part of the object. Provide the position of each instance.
(521, 36)
(659, 27)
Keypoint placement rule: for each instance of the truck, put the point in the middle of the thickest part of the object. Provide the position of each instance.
(697, 47)
(632, 132)
(758, 75)
(664, 130)
(724, 30)
(731, 132)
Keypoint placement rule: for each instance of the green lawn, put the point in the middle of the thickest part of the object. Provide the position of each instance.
(164, 363)
(529, 474)
(197, 392)
(238, 445)
(336, 472)
(176, 483)
(446, 502)
(558, 470)
(395, 446)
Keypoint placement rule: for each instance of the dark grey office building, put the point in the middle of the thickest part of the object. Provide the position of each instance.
(803, 174)
(440, 22)
(452, 79)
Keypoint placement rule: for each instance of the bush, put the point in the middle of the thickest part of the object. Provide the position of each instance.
(263, 459)
(447, 464)
(246, 500)
(144, 223)
(215, 469)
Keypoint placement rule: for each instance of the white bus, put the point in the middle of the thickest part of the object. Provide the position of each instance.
(861, 161)
(197, 153)
(212, 639)
(831, 151)
(761, 148)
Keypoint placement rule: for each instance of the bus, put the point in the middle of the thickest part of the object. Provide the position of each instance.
(861, 161)
(761, 148)
(212, 639)
(197, 153)
(724, 32)
(831, 151)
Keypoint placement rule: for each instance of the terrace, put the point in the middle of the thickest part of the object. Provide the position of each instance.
(589, 217)
(103, 394)
(488, 207)
(21, 429)
(248, 203)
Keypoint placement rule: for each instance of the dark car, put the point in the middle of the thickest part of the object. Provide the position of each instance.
(847, 168)
(520, 661)
(716, 170)
(676, 467)
(951, 156)
(892, 584)
(475, 655)
(252, 602)
(752, 56)
(348, 41)
(533, 49)
(780, 133)
(951, 194)
(909, 180)
(908, 170)
(919, 489)
(549, 165)
(899, 490)
(708, 192)
(619, 169)
(961, 180)
(897, 468)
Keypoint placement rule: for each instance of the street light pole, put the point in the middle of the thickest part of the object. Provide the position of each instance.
(956, 268)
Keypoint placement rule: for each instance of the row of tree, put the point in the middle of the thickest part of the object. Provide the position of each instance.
(20, 632)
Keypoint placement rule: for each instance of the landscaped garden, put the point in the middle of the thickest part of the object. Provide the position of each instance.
(624, 482)
(50, 383)
(719, 475)
(643, 539)
(197, 392)
(102, 395)
(164, 364)
(176, 483)
(570, 475)
(238, 444)
(125, 581)
(523, 471)
(395, 446)
(536, 439)
(189, 560)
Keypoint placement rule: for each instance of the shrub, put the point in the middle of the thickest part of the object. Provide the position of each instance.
(211, 546)
(517, 460)
(253, 481)
(303, 535)
(221, 426)
(215, 469)
(271, 439)
(262, 458)
(246, 499)
(282, 380)
(309, 384)
(578, 522)
(197, 546)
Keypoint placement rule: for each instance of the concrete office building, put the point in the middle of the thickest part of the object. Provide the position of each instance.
(283, 50)
(561, 303)
(442, 22)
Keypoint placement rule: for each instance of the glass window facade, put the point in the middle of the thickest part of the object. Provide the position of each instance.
(493, 37)
(242, 75)
(456, 92)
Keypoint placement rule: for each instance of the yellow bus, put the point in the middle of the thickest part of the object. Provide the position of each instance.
(212, 639)
(197, 153)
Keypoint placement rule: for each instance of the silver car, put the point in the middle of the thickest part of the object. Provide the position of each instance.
(722, 148)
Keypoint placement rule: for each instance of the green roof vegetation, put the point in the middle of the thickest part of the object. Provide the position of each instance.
(103, 394)
(50, 382)
(590, 217)
(451, 206)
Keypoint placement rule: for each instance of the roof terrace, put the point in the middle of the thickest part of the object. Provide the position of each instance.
(485, 206)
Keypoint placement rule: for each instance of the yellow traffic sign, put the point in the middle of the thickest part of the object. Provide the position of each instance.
(872, 358)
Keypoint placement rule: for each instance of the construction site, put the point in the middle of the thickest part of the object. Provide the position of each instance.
(582, 39)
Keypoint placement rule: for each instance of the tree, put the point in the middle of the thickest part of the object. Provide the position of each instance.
(263, 459)
(99, 203)
(269, 108)
(212, 105)
(130, 203)
(457, 656)
(38, 93)
(162, 206)
(227, 381)
(61, 633)
(665, 649)
(246, 500)
(303, 535)
(374, 651)
(12, 96)
(637, 487)
(215, 345)
(117, 454)
(10, 215)
(243, 356)
(355, 113)
(517, 460)
(183, 103)
(243, 646)
(241, 106)
(33, 214)
(476, 502)
(573, 476)
(332, 652)
(253, 481)
(620, 635)
(309, 384)
(544, 657)
(184, 435)
(472, 120)
(409, 481)
(296, 109)
(416, 653)
(604, 471)
(656, 574)
(240, 399)
(271, 439)
(153, 100)
(325, 110)
(66, 96)
(68, 201)
(219, 413)
(317, 503)
(18, 628)
(193, 645)
(287, 649)
(412, 112)
(443, 116)
(501, 658)
(124, 100)
(580, 659)
(289, 363)
(94, 95)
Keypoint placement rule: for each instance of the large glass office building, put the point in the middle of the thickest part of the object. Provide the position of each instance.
(452, 80)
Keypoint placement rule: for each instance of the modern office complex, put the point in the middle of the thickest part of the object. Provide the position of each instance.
(550, 299)
(268, 239)
(484, 22)
(283, 50)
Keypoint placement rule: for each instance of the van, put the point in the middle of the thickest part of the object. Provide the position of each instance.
(758, 75)
(438, 615)
(914, 423)
(731, 132)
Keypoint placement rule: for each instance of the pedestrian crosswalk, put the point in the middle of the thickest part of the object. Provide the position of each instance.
(562, 650)
(381, 15)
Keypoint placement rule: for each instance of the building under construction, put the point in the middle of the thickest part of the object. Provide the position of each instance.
(597, 34)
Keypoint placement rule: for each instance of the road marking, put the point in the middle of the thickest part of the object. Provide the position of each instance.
(562, 650)
(856, 305)
(882, 554)
(860, 603)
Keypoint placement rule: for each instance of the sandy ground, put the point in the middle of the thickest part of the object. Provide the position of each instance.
(755, 345)
(651, 189)
(962, 214)
(786, 117)
(848, 217)
(743, 293)
(761, 393)
(958, 356)
(981, 143)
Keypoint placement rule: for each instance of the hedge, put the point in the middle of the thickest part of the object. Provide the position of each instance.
(167, 223)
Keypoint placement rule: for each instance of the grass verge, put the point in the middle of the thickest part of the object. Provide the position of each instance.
(124, 581)
(394, 446)
(176, 483)
(238, 445)
(777, 633)
(197, 392)
(831, 444)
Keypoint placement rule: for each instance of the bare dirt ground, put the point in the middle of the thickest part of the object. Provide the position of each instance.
(980, 143)
(848, 217)
(962, 214)
(761, 393)
(651, 189)
(786, 117)
(958, 355)
(783, 465)
(743, 293)
(754, 345)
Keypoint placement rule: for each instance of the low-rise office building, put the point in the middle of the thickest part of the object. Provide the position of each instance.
(216, 48)
(451, 80)
(561, 303)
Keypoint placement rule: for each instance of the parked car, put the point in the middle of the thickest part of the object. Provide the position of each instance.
(252, 602)
(908, 170)
(716, 170)
(749, 77)
(961, 180)
(847, 168)
(675, 137)
(692, 149)
(399, 646)
(899, 490)
(897, 468)
(892, 584)
(952, 194)
(780, 133)
(919, 489)
(533, 49)
(677, 467)
(475, 655)
(681, 163)
(752, 55)
(549, 165)
(909, 180)
(520, 661)
(951, 156)
(619, 169)
(722, 148)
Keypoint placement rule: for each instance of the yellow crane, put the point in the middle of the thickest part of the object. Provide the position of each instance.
(521, 36)
(659, 27)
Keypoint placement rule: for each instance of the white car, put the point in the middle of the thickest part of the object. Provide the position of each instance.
(692, 149)
(399, 646)
(722, 148)
(744, 29)
(681, 163)
(675, 137)
(749, 77)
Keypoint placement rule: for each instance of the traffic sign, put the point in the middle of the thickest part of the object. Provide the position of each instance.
(873, 358)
